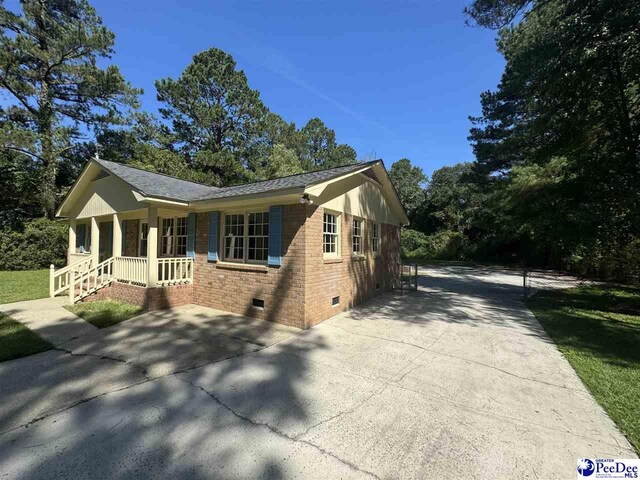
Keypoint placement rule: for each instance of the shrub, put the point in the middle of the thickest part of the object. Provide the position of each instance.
(414, 243)
(41, 243)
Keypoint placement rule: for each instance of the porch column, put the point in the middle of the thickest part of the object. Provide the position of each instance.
(152, 247)
(95, 241)
(72, 239)
(116, 240)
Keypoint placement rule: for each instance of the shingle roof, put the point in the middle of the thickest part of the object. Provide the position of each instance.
(158, 185)
(284, 183)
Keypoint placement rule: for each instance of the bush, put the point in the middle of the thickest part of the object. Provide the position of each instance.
(414, 244)
(444, 245)
(42, 243)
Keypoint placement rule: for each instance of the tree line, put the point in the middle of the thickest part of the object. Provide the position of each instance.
(556, 177)
(62, 107)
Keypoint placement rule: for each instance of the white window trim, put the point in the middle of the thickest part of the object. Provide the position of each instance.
(377, 226)
(338, 252)
(174, 236)
(245, 253)
(361, 236)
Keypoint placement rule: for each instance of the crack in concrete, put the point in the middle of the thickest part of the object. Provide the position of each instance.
(344, 412)
(142, 369)
(428, 349)
(275, 430)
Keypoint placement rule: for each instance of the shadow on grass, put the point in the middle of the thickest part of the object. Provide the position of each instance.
(105, 313)
(17, 341)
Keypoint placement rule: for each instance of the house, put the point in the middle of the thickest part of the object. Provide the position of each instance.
(294, 250)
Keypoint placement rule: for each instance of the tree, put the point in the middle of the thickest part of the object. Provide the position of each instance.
(281, 162)
(570, 90)
(215, 116)
(48, 66)
(409, 182)
(318, 147)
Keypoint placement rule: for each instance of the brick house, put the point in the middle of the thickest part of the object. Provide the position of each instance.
(294, 250)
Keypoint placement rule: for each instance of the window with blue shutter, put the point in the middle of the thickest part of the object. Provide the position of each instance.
(275, 235)
(80, 233)
(212, 243)
(191, 235)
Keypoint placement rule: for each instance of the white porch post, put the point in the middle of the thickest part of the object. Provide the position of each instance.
(95, 241)
(72, 239)
(117, 236)
(152, 247)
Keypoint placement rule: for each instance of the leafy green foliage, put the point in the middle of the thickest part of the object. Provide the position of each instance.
(48, 67)
(42, 243)
(562, 128)
(409, 182)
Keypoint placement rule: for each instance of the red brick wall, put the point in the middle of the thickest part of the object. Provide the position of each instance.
(232, 288)
(147, 298)
(353, 278)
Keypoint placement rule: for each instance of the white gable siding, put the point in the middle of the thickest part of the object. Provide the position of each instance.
(364, 199)
(104, 197)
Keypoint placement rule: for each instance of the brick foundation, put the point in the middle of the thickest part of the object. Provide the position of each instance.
(148, 298)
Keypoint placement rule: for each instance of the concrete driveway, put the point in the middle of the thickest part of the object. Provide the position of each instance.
(456, 380)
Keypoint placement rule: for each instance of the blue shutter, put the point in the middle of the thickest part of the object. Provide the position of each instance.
(80, 238)
(212, 249)
(191, 235)
(124, 238)
(109, 248)
(275, 235)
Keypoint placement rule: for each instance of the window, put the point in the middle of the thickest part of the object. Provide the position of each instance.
(335, 301)
(167, 236)
(375, 238)
(173, 237)
(258, 303)
(144, 234)
(330, 238)
(258, 236)
(181, 236)
(357, 237)
(234, 237)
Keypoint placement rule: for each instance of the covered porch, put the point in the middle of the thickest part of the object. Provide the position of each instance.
(150, 247)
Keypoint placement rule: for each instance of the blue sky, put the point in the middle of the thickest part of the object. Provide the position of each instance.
(393, 79)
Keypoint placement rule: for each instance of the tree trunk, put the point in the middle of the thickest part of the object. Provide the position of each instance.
(48, 154)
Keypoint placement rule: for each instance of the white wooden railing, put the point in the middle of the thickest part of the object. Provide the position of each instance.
(131, 270)
(82, 284)
(82, 278)
(59, 279)
(78, 257)
(175, 270)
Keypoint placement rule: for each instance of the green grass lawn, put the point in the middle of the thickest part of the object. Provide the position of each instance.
(17, 341)
(26, 285)
(105, 313)
(597, 328)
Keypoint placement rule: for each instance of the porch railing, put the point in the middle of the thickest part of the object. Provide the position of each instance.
(59, 279)
(131, 270)
(83, 278)
(172, 271)
(77, 257)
